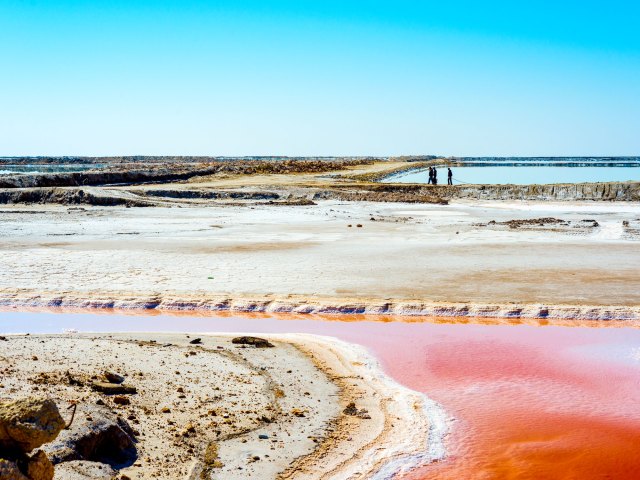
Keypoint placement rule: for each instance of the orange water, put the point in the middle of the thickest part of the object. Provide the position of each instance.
(529, 402)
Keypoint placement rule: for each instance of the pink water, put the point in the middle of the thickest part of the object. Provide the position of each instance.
(543, 402)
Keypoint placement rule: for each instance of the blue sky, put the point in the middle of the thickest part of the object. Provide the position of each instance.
(319, 78)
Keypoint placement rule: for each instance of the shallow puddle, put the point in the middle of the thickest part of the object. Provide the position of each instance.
(552, 402)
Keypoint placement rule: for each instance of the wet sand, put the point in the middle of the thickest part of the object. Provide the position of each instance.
(528, 401)
(270, 413)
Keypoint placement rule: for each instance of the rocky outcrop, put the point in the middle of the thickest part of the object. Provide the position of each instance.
(70, 196)
(96, 435)
(27, 424)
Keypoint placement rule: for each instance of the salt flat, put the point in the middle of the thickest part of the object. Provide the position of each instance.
(468, 251)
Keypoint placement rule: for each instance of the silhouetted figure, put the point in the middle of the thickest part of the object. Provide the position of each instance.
(430, 176)
(435, 176)
(449, 177)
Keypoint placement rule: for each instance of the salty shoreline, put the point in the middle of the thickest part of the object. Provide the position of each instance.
(393, 428)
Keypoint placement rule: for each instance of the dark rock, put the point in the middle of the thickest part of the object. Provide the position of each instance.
(263, 436)
(255, 341)
(532, 222)
(112, 377)
(353, 411)
(196, 341)
(96, 435)
(350, 409)
(113, 388)
(71, 380)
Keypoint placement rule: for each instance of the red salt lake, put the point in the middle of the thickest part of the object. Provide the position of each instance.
(529, 402)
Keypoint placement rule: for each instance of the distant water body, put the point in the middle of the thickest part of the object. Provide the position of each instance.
(531, 170)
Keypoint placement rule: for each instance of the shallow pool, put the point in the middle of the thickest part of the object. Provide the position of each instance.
(529, 401)
(522, 175)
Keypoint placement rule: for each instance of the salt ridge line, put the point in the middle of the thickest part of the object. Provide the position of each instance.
(311, 306)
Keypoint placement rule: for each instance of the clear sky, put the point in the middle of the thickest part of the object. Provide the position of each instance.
(325, 77)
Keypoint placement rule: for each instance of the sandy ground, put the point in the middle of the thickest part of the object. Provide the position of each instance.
(463, 253)
(191, 396)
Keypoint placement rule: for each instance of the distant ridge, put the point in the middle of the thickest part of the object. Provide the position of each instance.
(20, 160)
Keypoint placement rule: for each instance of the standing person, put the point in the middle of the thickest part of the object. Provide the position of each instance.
(430, 176)
(435, 176)
(449, 176)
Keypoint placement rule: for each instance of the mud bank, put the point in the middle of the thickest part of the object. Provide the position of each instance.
(311, 407)
(298, 305)
(159, 173)
(149, 198)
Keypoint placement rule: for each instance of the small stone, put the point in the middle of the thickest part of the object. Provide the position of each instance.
(165, 410)
(255, 341)
(196, 341)
(121, 400)
(113, 388)
(350, 409)
(262, 436)
(188, 429)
